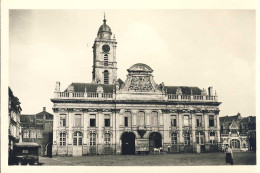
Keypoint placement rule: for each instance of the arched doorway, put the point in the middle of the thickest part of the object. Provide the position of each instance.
(155, 141)
(128, 143)
(235, 144)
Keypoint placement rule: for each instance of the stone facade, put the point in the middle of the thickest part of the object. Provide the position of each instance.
(38, 128)
(14, 128)
(238, 132)
(134, 116)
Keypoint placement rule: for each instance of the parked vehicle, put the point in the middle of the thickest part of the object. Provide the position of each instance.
(142, 146)
(26, 153)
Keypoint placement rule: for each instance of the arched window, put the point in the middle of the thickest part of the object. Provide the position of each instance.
(200, 138)
(77, 138)
(174, 138)
(62, 139)
(92, 139)
(140, 119)
(105, 60)
(154, 119)
(187, 139)
(106, 77)
(107, 138)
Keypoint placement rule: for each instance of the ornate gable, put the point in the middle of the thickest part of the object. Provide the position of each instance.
(140, 79)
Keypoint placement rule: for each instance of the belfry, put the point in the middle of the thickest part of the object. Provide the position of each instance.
(110, 116)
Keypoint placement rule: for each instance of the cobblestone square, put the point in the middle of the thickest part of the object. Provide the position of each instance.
(180, 159)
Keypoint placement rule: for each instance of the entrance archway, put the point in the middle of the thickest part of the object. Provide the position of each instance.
(128, 143)
(155, 141)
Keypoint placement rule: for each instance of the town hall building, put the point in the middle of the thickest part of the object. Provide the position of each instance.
(111, 116)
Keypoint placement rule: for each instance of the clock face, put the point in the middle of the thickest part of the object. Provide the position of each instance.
(106, 48)
(106, 36)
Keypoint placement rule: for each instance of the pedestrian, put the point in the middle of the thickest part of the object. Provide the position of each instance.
(229, 155)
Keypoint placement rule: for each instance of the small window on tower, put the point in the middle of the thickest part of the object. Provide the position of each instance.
(106, 79)
(105, 60)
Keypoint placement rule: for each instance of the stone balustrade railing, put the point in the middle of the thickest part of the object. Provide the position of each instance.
(174, 97)
(82, 95)
(94, 95)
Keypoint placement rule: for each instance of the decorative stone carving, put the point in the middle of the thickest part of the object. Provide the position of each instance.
(71, 88)
(141, 83)
(178, 91)
(100, 89)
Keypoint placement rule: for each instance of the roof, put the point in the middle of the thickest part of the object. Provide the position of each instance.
(26, 118)
(104, 28)
(90, 87)
(140, 67)
(184, 89)
(27, 144)
(47, 115)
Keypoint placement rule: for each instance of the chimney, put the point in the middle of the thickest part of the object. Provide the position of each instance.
(44, 108)
(210, 89)
(57, 88)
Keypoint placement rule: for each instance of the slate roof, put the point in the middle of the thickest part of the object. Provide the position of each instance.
(91, 87)
(184, 89)
(47, 115)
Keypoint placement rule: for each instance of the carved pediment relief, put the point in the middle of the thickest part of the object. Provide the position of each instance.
(141, 83)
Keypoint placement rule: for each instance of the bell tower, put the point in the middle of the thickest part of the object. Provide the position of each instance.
(104, 56)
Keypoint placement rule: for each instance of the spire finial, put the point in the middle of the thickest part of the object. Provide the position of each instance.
(104, 18)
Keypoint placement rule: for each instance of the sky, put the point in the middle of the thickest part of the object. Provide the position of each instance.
(184, 48)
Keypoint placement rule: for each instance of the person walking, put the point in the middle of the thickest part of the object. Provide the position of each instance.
(229, 155)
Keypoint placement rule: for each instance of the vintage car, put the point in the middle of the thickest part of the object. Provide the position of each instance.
(26, 153)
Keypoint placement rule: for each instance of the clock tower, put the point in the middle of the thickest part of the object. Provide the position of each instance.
(104, 56)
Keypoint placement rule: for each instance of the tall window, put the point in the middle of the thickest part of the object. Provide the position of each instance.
(107, 120)
(140, 119)
(187, 139)
(106, 77)
(92, 120)
(39, 134)
(62, 138)
(26, 134)
(92, 139)
(62, 120)
(173, 121)
(174, 138)
(107, 139)
(32, 134)
(186, 120)
(211, 120)
(127, 119)
(199, 120)
(77, 138)
(199, 138)
(105, 60)
(77, 120)
(154, 119)
(212, 137)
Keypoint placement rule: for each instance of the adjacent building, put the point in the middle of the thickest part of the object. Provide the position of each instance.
(239, 132)
(109, 116)
(14, 133)
(38, 128)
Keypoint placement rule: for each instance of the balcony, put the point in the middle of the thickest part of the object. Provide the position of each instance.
(83, 95)
(174, 97)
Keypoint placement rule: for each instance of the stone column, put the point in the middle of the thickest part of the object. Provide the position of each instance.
(70, 135)
(181, 138)
(218, 127)
(100, 125)
(206, 120)
(85, 132)
(55, 137)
